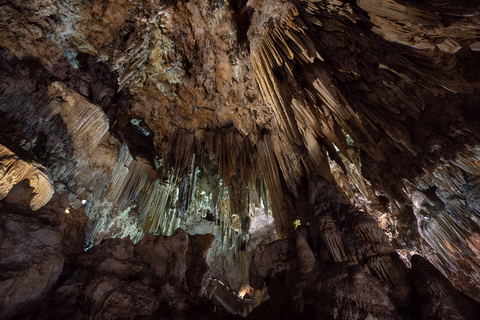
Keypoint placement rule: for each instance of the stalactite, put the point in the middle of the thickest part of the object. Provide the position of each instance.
(392, 16)
(226, 153)
(447, 212)
(130, 64)
(396, 11)
(78, 138)
(230, 150)
(311, 112)
(86, 123)
(106, 220)
(120, 173)
(135, 56)
(272, 178)
(157, 205)
(140, 176)
(278, 47)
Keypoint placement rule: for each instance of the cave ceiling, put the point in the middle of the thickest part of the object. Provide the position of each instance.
(150, 109)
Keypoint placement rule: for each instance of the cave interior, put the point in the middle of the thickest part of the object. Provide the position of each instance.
(230, 159)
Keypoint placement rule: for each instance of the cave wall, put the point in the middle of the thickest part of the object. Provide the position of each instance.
(349, 270)
(47, 275)
(155, 114)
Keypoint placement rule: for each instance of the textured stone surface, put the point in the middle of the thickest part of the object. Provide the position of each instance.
(159, 276)
(374, 284)
(155, 114)
(31, 255)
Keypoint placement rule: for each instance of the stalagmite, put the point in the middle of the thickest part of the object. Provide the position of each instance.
(331, 238)
(306, 259)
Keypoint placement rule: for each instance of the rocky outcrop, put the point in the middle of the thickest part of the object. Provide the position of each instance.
(119, 280)
(31, 254)
(439, 299)
(271, 261)
(47, 275)
(350, 292)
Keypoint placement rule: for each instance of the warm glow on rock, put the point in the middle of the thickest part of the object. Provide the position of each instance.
(242, 293)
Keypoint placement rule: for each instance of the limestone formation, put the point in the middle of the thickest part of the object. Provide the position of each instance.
(159, 276)
(14, 170)
(323, 144)
(374, 284)
(31, 255)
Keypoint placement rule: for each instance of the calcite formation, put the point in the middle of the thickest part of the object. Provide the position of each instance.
(445, 207)
(373, 284)
(15, 170)
(346, 130)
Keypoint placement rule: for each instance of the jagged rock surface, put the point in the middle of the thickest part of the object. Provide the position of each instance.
(372, 284)
(158, 278)
(31, 254)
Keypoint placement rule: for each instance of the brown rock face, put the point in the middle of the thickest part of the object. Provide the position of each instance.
(179, 259)
(31, 256)
(119, 280)
(439, 298)
(98, 285)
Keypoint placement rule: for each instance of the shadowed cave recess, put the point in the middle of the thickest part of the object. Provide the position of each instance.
(230, 159)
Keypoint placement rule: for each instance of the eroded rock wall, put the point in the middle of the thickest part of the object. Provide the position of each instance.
(46, 276)
(347, 269)
(158, 277)
(31, 254)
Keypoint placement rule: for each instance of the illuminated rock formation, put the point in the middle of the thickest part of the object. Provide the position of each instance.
(16, 170)
(346, 130)
(373, 284)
